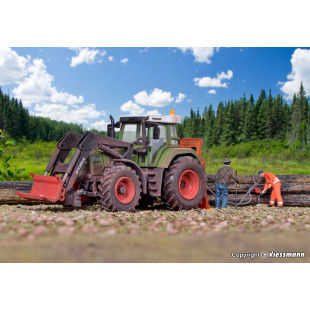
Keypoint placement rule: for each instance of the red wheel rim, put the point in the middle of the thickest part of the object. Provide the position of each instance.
(125, 190)
(189, 184)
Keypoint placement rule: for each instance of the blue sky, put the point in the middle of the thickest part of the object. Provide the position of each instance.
(86, 85)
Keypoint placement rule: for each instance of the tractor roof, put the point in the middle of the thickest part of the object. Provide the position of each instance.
(133, 119)
(167, 119)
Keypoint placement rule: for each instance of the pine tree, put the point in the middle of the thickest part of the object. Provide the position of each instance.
(295, 120)
(249, 129)
(239, 118)
(1, 110)
(209, 127)
(269, 117)
(303, 110)
(227, 137)
(218, 124)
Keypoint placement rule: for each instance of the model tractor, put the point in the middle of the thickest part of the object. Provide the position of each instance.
(146, 162)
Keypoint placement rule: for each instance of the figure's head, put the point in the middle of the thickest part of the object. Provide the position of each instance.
(261, 173)
(227, 162)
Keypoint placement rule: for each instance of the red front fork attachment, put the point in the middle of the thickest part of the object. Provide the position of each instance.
(45, 188)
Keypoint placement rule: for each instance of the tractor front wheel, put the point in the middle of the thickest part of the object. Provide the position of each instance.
(184, 184)
(120, 189)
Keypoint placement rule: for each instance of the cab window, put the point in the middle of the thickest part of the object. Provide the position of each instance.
(173, 134)
(132, 132)
(157, 144)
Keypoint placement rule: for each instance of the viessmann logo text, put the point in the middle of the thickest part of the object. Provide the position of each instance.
(271, 254)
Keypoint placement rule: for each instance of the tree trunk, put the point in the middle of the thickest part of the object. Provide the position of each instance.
(8, 189)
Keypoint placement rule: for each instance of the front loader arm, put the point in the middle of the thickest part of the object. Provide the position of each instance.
(69, 141)
(89, 142)
(52, 187)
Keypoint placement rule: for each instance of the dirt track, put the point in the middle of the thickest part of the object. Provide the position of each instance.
(56, 234)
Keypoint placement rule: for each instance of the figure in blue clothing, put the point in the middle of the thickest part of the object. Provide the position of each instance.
(222, 180)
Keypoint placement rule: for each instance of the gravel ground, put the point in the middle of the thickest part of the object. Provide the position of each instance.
(44, 233)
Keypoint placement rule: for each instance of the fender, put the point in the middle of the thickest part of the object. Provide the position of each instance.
(164, 158)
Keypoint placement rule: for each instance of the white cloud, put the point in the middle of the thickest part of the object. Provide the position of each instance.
(111, 58)
(201, 54)
(214, 82)
(225, 76)
(100, 125)
(132, 108)
(300, 73)
(212, 91)
(34, 86)
(124, 61)
(144, 50)
(13, 68)
(180, 98)
(153, 112)
(157, 98)
(69, 114)
(86, 55)
(37, 88)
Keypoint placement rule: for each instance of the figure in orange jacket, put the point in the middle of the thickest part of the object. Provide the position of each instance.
(274, 182)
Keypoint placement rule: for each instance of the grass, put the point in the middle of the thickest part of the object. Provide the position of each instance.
(266, 155)
(253, 164)
(247, 158)
(33, 157)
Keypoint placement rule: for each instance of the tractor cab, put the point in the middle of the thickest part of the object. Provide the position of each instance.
(148, 134)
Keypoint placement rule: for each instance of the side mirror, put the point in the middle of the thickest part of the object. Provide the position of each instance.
(156, 133)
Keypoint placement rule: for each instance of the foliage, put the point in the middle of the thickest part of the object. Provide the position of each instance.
(244, 120)
(266, 133)
(250, 157)
(32, 156)
(6, 171)
(16, 122)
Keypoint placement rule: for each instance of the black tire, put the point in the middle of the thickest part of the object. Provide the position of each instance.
(110, 190)
(172, 184)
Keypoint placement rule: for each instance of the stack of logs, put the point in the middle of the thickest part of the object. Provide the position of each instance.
(295, 190)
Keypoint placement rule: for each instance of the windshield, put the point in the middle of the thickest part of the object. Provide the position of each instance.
(132, 132)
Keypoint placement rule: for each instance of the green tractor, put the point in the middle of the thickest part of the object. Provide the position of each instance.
(145, 163)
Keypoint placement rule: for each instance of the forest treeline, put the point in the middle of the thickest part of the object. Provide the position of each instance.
(16, 121)
(244, 120)
(233, 122)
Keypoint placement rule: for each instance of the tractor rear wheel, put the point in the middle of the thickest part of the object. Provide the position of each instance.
(184, 184)
(120, 189)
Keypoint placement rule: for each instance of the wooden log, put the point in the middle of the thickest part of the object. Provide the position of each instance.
(8, 195)
(286, 188)
(247, 179)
